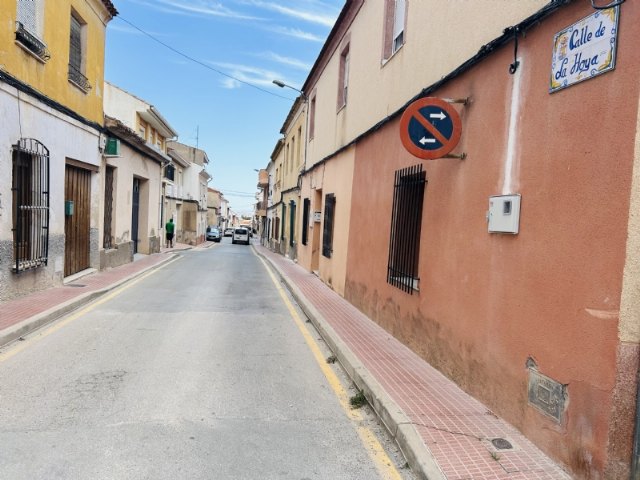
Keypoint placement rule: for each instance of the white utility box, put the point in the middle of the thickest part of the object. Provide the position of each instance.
(504, 214)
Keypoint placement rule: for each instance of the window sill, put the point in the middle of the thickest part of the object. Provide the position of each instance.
(30, 52)
(412, 283)
(388, 59)
(80, 87)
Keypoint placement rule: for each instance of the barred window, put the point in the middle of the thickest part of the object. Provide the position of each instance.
(406, 221)
(30, 192)
(77, 53)
(327, 232)
(306, 209)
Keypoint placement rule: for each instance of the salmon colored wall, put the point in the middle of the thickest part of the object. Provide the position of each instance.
(335, 176)
(488, 302)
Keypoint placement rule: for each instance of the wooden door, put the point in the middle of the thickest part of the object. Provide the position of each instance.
(77, 219)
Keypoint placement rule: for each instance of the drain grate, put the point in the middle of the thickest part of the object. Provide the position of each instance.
(501, 444)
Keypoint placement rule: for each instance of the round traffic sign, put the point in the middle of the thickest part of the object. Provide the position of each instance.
(430, 128)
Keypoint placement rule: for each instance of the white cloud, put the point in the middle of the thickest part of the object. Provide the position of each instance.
(316, 15)
(291, 62)
(195, 7)
(246, 73)
(297, 33)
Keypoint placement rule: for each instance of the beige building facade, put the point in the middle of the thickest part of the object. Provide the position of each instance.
(190, 214)
(134, 160)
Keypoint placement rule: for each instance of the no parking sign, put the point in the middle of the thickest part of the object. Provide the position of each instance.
(430, 128)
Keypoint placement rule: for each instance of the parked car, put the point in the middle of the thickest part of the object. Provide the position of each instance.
(240, 235)
(228, 232)
(213, 233)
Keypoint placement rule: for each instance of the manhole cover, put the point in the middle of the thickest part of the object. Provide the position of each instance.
(501, 444)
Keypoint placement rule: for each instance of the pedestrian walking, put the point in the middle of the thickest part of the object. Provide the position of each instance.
(169, 228)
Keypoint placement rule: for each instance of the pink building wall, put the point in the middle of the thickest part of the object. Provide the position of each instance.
(488, 303)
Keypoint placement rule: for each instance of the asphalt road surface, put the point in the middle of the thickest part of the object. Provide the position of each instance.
(197, 370)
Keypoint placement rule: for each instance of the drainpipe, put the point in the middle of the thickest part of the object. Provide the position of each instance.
(635, 461)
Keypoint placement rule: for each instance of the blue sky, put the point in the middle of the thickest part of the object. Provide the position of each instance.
(254, 41)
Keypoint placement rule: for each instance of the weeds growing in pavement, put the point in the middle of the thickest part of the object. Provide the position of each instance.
(358, 400)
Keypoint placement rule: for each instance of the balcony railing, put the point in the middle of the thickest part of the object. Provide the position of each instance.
(79, 79)
(31, 42)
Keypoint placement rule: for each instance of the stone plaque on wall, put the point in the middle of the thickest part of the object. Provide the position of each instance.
(547, 395)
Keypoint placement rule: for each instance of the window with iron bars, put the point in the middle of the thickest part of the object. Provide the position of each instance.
(406, 221)
(77, 54)
(30, 192)
(327, 232)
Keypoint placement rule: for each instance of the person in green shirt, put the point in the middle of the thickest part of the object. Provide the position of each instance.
(169, 228)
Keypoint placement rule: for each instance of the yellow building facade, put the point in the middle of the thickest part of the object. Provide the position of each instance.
(51, 90)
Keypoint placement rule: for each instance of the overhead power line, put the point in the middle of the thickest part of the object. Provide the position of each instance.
(202, 64)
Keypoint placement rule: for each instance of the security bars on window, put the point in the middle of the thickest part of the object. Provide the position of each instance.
(404, 244)
(30, 190)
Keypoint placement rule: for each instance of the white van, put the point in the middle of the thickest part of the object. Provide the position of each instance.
(240, 235)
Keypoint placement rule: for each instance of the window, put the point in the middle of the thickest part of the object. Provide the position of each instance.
(327, 232)
(29, 28)
(394, 31)
(142, 128)
(170, 172)
(298, 157)
(293, 149)
(404, 244)
(30, 191)
(312, 117)
(343, 83)
(306, 209)
(77, 42)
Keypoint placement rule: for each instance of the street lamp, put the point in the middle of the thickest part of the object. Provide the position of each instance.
(281, 84)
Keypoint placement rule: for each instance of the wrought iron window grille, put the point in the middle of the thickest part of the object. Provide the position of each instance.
(77, 78)
(30, 191)
(404, 244)
(31, 42)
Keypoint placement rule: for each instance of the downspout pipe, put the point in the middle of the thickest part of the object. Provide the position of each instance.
(635, 460)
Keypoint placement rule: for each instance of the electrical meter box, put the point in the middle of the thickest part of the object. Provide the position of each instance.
(504, 214)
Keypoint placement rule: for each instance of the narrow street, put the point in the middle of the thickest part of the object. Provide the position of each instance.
(195, 371)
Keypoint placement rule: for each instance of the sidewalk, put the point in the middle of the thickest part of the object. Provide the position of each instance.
(443, 432)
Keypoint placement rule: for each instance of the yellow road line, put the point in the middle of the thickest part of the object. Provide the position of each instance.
(16, 348)
(383, 463)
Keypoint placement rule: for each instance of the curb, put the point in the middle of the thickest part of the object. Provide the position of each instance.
(35, 322)
(393, 418)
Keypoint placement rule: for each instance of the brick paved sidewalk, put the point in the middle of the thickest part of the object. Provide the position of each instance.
(450, 432)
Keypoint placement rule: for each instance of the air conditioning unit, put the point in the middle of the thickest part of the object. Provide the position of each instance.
(112, 147)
